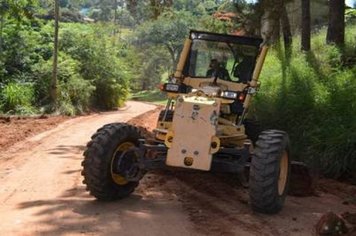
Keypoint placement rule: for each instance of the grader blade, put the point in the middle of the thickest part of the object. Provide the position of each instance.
(301, 182)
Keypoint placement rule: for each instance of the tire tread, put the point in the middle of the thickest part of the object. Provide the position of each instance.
(264, 173)
(97, 161)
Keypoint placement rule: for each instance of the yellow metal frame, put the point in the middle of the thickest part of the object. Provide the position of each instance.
(228, 132)
(256, 74)
(283, 173)
(183, 58)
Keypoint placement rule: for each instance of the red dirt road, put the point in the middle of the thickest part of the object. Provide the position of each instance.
(41, 193)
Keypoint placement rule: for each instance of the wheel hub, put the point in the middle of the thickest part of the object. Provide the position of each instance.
(116, 175)
(125, 165)
(283, 173)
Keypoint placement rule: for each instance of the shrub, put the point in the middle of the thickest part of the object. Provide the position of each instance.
(350, 16)
(74, 93)
(17, 98)
(313, 98)
(99, 63)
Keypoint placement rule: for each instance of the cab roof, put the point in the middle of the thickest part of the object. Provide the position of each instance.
(208, 36)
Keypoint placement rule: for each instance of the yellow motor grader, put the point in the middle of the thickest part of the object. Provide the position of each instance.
(202, 127)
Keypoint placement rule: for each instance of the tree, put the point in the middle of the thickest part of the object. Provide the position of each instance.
(63, 3)
(131, 6)
(270, 20)
(169, 30)
(287, 34)
(336, 27)
(16, 10)
(105, 10)
(305, 40)
(150, 64)
(53, 89)
(115, 5)
(158, 6)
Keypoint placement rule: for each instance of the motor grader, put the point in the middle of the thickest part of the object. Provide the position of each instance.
(202, 127)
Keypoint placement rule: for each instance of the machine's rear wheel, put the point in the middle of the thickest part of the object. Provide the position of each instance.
(269, 172)
(100, 160)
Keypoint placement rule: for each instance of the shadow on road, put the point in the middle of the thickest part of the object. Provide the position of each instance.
(66, 149)
(67, 152)
(75, 212)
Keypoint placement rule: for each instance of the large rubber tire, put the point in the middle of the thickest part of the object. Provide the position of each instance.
(98, 158)
(269, 172)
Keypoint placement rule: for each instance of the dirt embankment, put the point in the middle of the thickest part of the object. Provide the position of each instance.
(147, 121)
(15, 129)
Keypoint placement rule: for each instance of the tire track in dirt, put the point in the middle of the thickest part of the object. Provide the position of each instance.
(212, 202)
(41, 191)
(212, 205)
(218, 205)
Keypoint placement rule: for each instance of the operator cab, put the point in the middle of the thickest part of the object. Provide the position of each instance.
(221, 65)
(234, 59)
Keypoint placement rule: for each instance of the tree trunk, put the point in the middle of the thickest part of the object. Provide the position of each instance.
(115, 11)
(270, 21)
(336, 28)
(276, 31)
(155, 8)
(305, 39)
(173, 57)
(132, 7)
(1, 29)
(158, 7)
(53, 90)
(144, 85)
(287, 34)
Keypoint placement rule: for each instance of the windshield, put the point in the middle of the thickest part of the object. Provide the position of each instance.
(225, 60)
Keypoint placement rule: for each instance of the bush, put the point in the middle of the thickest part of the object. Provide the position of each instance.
(99, 63)
(92, 69)
(350, 16)
(74, 93)
(17, 98)
(312, 96)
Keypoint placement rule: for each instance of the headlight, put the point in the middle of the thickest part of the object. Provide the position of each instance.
(171, 87)
(176, 88)
(229, 94)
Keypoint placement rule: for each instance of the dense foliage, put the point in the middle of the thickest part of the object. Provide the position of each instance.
(98, 62)
(92, 70)
(313, 97)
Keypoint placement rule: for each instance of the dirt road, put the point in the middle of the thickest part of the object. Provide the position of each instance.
(41, 194)
(41, 190)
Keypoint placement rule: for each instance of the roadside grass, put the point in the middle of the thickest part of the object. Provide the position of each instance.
(312, 96)
(154, 96)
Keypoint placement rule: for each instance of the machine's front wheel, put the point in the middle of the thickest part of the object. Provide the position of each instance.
(101, 160)
(269, 172)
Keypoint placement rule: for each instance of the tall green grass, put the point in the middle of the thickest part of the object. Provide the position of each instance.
(154, 96)
(312, 96)
(17, 98)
